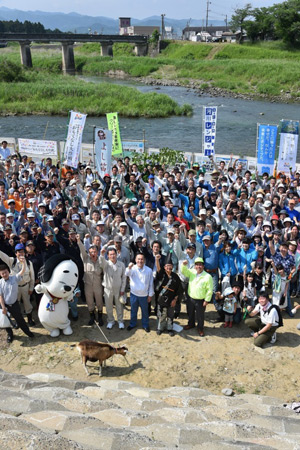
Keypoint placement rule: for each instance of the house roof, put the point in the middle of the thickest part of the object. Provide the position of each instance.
(209, 30)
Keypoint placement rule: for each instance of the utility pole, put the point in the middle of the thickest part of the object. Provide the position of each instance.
(207, 11)
(226, 21)
(162, 26)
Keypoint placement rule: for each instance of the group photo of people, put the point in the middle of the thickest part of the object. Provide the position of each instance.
(167, 243)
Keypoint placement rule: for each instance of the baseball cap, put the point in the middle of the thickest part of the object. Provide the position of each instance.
(72, 231)
(191, 245)
(9, 215)
(10, 201)
(29, 243)
(64, 222)
(75, 217)
(267, 204)
(50, 219)
(191, 232)
(202, 211)
(228, 291)
(31, 214)
(170, 230)
(166, 194)
(100, 223)
(150, 177)
(19, 247)
(206, 238)
(199, 260)
(104, 207)
(123, 224)
(49, 233)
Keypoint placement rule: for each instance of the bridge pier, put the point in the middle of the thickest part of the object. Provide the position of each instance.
(25, 51)
(106, 49)
(140, 49)
(68, 61)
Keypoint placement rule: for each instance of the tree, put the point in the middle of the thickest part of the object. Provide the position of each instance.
(287, 21)
(165, 156)
(262, 25)
(238, 20)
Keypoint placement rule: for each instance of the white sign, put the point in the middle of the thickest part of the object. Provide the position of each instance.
(132, 147)
(288, 145)
(209, 129)
(103, 150)
(42, 149)
(74, 138)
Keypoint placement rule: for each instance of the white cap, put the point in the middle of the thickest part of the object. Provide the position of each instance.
(104, 207)
(100, 223)
(281, 185)
(267, 204)
(166, 194)
(75, 217)
(287, 219)
(267, 224)
(9, 215)
(31, 214)
(202, 211)
(123, 224)
(260, 195)
(50, 218)
(170, 230)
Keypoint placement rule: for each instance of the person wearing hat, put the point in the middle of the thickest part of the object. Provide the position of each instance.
(26, 283)
(79, 226)
(151, 188)
(245, 256)
(46, 244)
(168, 290)
(229, 306)
(292, 212)
(200, 291)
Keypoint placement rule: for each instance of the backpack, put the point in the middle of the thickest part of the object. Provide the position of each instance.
(280, 321)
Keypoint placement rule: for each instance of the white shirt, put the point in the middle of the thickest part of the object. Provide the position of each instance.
(141, 281)
(265, 317)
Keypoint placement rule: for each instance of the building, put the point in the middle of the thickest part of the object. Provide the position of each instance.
(126, 29)
(204, 34)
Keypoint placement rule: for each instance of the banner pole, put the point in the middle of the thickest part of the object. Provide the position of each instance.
(94, 141)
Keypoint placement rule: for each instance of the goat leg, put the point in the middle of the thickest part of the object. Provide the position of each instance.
(100, 370)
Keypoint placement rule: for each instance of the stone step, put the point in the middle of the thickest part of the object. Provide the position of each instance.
(61, 420)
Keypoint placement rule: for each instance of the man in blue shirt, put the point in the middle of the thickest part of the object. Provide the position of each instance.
(293, 214)
(211, 261)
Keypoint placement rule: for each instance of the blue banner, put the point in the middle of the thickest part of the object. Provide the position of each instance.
(266, 145)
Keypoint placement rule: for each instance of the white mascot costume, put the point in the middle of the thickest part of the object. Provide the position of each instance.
(58, 278)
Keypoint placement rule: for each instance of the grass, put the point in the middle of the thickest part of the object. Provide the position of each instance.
(57, 94)
(265, 69)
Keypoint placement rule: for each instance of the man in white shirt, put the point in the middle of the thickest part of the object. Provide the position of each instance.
(141, 291)
(4, 151)
(265, 326)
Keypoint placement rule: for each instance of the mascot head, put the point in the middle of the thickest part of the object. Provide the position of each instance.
(59, 275)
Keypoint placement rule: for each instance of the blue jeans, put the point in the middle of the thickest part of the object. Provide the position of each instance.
(73, 307)
(135, 302)
(215, 277)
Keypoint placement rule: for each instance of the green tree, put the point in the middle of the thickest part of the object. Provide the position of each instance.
(237, 22)
(154, 37)
(262, 26)
(287, 21)
(166, 156)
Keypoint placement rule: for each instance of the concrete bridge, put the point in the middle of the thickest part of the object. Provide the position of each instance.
(67, 41)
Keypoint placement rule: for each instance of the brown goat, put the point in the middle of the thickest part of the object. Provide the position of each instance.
(96, 351)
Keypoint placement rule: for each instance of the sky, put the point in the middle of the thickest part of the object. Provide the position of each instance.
(139, 9)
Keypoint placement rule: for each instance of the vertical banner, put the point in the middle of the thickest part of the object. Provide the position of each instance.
(113, 125)
(288, 145)
(209, 129)
(74, 138)
(103, 150)
(266, 146)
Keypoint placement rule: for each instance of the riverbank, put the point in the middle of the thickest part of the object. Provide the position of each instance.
(223, 358)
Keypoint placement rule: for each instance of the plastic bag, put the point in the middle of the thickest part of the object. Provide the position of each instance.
(4, 320)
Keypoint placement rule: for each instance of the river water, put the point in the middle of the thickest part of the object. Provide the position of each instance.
(236, 123)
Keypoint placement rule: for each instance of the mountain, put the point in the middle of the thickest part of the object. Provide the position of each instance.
(79, 23)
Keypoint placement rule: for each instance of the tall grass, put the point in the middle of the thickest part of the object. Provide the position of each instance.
(57, 94)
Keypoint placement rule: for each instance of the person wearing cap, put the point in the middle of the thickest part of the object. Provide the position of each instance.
(79, 226)
(151, 188)
(26, 284)
(292, 212)
(245, 256)
(229, 306)
(141, 291)
(123, 253)
(200, 291)
(168, 289)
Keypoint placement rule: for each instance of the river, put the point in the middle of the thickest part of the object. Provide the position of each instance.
(236, 123)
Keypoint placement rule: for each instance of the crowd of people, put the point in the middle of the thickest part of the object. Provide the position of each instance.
(156, 237)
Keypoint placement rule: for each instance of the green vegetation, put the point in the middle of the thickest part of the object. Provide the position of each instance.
(166, 156)
(57, 94)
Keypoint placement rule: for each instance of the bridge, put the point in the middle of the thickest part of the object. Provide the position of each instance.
(68, 40)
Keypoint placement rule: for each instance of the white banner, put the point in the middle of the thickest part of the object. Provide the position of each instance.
(131, 147)
(209, 129)
(288, 146)
(103, 150)
(33, 147)
(74, 138)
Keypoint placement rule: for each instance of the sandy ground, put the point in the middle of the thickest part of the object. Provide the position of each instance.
(223, 358)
